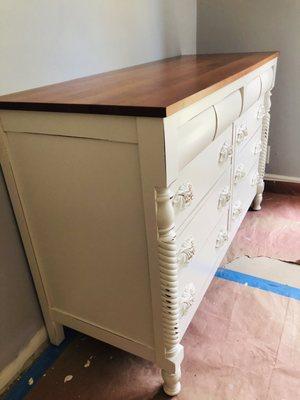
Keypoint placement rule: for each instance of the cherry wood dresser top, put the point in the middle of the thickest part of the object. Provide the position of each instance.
(156, 89)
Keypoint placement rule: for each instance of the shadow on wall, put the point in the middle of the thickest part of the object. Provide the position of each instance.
(241, 26)
(20, 316)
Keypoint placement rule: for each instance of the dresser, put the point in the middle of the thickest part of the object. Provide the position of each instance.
(129, 186)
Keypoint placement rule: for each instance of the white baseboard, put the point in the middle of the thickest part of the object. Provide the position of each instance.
(282, 178)
(29, 352)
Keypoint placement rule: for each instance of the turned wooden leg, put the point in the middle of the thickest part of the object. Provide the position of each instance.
(256, 205)
(171, 354)
(172, 384)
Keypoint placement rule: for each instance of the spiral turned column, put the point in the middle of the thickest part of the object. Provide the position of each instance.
(168, 267)
(263, 155)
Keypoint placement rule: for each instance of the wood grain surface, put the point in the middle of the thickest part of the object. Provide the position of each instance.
(155, 89)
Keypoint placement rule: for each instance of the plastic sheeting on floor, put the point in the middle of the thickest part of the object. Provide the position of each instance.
(243, 344)
(273, 232)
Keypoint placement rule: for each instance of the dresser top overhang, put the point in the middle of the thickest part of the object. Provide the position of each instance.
(156, 89)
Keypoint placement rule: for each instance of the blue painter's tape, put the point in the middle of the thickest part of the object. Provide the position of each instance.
(263, 284)
(19, 389)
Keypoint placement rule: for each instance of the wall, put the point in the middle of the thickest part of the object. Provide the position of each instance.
(43, 42)
(20, 316)
(256, 25)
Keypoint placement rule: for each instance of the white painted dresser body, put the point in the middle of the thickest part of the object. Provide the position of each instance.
(126, 219)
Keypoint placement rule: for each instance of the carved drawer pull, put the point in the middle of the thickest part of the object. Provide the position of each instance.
(221, 239)
(184, 196)
(256, 179)
(239, 173)
(261, 112)
(224, 198)
(186, 252)
(236, 209)
(225, 152)
(187, 299)
(257, 148)
(242, 134)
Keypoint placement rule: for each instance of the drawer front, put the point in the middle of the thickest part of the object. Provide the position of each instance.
(228, 110)
(198, 177)
(267, 79)
(247, 157)
(207, 214)
(243, 195)
(246, 126)
(196, 276)
(251, 93)
(195, 135)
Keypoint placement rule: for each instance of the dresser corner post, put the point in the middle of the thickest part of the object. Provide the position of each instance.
(256, 205)
(168, 270)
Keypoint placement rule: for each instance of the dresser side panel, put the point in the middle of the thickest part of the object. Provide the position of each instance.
(82, 200)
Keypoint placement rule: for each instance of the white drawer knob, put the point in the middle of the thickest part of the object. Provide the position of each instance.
(225, 152)
(239, 173)
(187, 298)
(224, 198)
(184, 196)
(257, 148)
(186, 252)
(261, 112)
(221, 239)
(236, 209)
(242, 133)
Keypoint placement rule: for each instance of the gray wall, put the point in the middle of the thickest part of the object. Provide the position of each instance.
(44, 42)
(20, 316)
(256, 25)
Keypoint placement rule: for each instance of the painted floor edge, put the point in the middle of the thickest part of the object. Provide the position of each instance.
(259, 283)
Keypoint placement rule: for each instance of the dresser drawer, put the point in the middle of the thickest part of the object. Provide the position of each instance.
(195, 135)
(243, 196)
(267, 79)
(252, 93)
(228, 110)
(198, 177)
(247, 157)
(204, 219)
(246, 126)
(195, 277)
